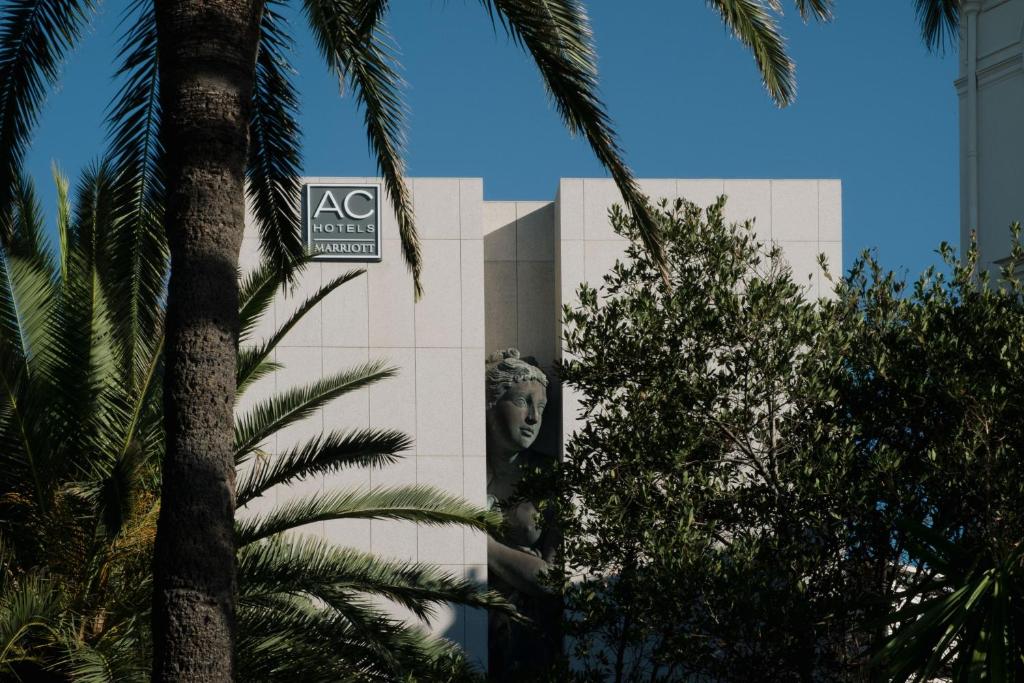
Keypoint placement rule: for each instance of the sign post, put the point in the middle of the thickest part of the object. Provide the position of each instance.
(342, 222)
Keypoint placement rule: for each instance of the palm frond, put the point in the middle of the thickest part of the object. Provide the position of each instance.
(137, 246)
(273, 414)
(284, 639)
(257, 373)
(95, 213)
(63, 219)
(24, 225)
(361, 54)
(370, 14)
(250, 359)
(321, 455)
(275, 634)
(408, 651)
(135, 362)
(111, 660)
(30, 610)
(557, 35)
(80, 358)
(753, 24)
(422, 504)
(26, 300)
(35, 35)
(323, 571)
(940, 22)
(820, 9)
(255, 296)
(969, 618)
(274, 147)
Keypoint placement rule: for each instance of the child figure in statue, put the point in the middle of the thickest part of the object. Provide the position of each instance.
(519, 555)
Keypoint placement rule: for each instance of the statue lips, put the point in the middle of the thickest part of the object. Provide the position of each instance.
(526, 431)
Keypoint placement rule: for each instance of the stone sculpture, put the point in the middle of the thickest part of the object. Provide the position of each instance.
(518, 556)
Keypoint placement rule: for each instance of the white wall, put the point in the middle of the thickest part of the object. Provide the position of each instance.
(991, 134)
(438, 396)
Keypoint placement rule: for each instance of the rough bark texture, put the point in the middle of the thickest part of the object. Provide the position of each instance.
(207, 51)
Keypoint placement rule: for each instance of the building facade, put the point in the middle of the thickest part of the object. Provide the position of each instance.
(495, 275)
(991, 94)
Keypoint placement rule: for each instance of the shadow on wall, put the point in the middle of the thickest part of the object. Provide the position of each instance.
(469, 626)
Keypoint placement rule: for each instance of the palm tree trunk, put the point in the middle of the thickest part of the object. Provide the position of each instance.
(207, 53)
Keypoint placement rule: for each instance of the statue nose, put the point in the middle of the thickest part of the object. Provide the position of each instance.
(531, 416)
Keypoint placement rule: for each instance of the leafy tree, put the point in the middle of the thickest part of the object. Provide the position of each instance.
(206, 105)
(930, 389)
(80, 452)
(706, 531)
(770, 488)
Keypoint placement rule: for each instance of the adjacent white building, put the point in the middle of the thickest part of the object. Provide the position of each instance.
(495, 275)
(991, 94)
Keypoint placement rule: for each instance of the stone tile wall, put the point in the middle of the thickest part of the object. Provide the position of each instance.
(437, 398)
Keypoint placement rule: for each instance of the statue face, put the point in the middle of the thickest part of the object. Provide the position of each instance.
(515, 419)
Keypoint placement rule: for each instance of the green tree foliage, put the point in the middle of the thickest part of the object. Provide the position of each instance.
(79, 486)
(760, 480)
(702, 537)
(931, 390)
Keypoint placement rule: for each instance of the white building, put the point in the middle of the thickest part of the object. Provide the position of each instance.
(495, 275)
(991, 92)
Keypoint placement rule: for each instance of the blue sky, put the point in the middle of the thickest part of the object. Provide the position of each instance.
(874, 109)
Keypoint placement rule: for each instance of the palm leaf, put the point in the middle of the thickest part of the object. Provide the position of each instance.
(971, 619)
(422, 504)
(24, 224)
(81, 359)
(29, 609)
(111, 660)
(63, 219)
(284, 641)
(26, 303)
(557, 35)
(820, 9)
(255, 296)
(251, 359)
(35, 35)
(360, 53)
(321, 455)
(95, 212)
(274, 414)
(323, 571)
(752, 23)
(370, 14)
(26, 279)
(939, 20)
(406, 652)
(274, 147)
(137, 246)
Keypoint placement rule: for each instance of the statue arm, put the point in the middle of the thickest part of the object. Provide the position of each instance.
(521, 569)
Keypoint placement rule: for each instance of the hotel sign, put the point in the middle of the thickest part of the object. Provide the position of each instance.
(342, 222)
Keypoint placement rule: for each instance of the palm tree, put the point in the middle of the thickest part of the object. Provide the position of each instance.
(206, 105)
(962, 618)
(80, 453)
(939, 20)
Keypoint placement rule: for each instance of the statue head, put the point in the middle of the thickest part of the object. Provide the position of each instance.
(516, 397)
